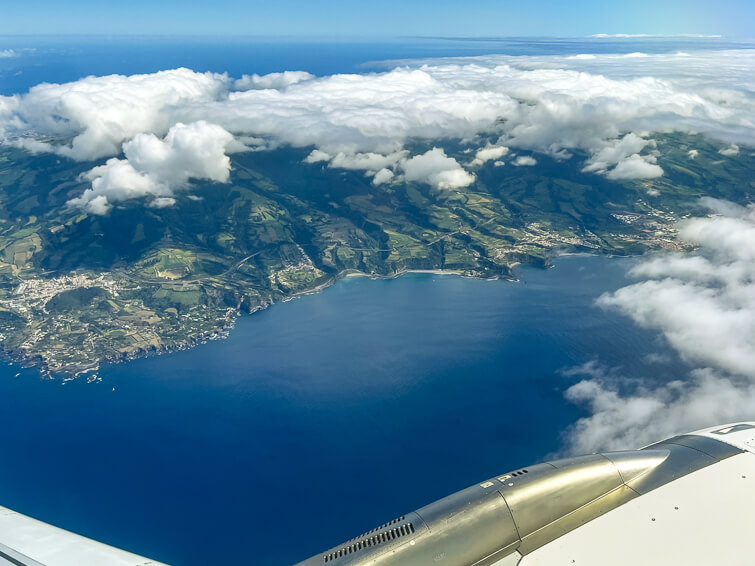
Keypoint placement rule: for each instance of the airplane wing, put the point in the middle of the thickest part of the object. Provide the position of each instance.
(27, 542)
(688, 500)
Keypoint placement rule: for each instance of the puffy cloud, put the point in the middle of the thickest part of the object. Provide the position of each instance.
(693, 153)
(371, 163)
(623, 155)
(8, 53)
(277, 81)
(733, 149)
(155, 167)
(317, 156)
(704, 305)
(525, 161)
(489, 153)
(116, 180)
(383, 176)
(618, 421)
(162, 202)
(188, 151)
(635, 167)
(366, 161)
(436, 169)
(433, 167)
(100, 113)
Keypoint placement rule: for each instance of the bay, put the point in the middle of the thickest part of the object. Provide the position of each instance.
(316, 419)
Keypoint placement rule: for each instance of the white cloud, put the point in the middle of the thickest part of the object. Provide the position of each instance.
(618, 422)
(732, 150)
(383, 176)
(100, 113)
(194, 151)
(620, 159)
(704, 305)
(162, 202)
(8, 53)
(615, 151)
(489, 153)
(370, 162)
(277, 81)
(436, 169)
(374, 113)
(525, 161)
(635, 167)
(693, 153)
(317, 156)
(376, 165)
(115, 181)
(156, 168)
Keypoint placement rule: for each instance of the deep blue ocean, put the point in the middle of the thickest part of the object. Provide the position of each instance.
(319, 418)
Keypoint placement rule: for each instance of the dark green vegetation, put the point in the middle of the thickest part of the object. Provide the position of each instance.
(77, 289)
(76, 299)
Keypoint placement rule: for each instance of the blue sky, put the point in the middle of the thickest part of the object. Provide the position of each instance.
(356, 18)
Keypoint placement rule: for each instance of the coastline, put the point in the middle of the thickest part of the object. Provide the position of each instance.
(90, 370)
(405, 271)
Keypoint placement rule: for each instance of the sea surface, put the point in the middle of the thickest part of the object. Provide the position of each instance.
(68, 58)
(317, 419)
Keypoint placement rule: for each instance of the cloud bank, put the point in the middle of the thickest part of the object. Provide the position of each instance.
(703, 303)
(604, 106)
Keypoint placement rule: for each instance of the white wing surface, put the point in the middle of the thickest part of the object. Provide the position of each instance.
(27, 542)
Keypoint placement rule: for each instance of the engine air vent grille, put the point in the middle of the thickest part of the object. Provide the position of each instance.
(369, 540)
(388, 524)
